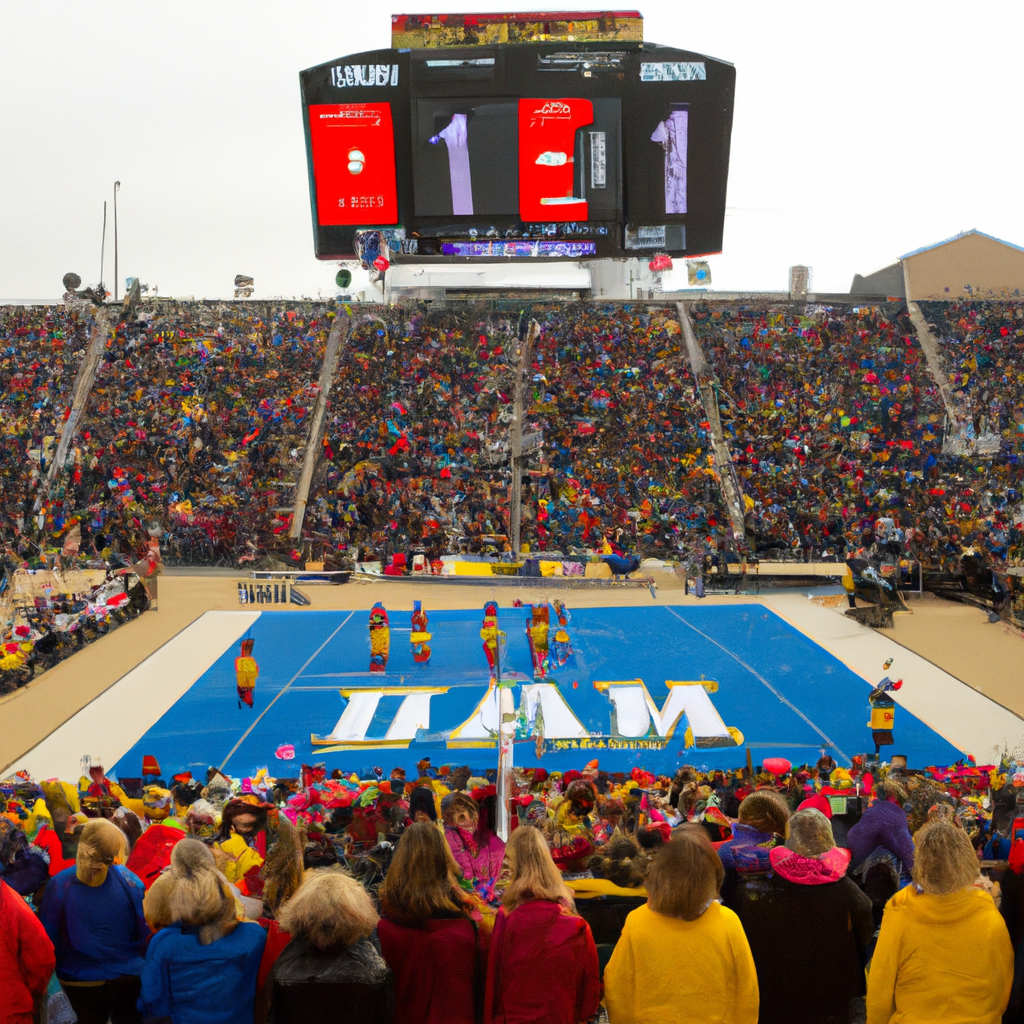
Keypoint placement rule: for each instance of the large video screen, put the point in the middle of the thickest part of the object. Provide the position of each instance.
(520, 150)
(353, 148)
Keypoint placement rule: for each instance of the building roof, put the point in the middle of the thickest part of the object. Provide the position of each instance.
(955, 238)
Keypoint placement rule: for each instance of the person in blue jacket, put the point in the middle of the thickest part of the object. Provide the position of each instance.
(93, 915)
(201, 969)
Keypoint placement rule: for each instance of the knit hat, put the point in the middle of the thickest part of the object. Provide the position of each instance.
(422, 799)
(817, 803)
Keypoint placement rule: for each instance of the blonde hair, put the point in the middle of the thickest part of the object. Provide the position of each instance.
(101, 844)
(423, 879)
(685, 876)
(330, 910)
(532, 874)
(944, 859)
(200, 897)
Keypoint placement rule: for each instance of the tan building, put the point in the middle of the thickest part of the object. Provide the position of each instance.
(969, 264)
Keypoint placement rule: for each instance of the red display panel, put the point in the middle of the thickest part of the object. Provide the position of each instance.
(353, 163)
(547, 166)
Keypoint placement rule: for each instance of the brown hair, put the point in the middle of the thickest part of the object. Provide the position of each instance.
(621, 862)
(101, 844)
(330, 911)
(944, 859)
(685, 876)
(532, 874)
(451, 805)
(422, 881)
(766, 811)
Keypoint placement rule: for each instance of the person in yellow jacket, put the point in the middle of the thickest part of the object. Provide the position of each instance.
(943, 951)
(247, 671)
(242, 839)
(647, 980)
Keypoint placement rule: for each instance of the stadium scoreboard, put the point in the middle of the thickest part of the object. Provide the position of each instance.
(509, 136)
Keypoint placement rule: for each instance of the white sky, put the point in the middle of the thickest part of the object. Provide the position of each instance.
(862, 131)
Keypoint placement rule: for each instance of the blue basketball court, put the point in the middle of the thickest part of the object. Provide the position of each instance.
(654, 687)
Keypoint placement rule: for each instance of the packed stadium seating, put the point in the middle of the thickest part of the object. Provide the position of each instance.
(625, 444)
(197, 420)
(40, 353)
(982, 344)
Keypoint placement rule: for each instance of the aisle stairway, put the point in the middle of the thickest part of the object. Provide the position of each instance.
(732, 491)
(311, 456)
(83, 389)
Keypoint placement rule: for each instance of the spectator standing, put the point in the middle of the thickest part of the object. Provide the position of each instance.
(331, 971)
(883, 827)
(761, 826)
(477, 850)
(427, 934)
(202, 968)
(542, 967)
(882, 847)
(92, 913)
(654, 969)
(26, 959)
(809, 904)
(913, 977)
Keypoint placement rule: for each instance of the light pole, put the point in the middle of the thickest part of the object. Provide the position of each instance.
(117, 186)
(103, 253)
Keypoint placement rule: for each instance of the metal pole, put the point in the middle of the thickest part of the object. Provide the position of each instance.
(103, 247)
(506, 753)
(117, 186)
(516, 440)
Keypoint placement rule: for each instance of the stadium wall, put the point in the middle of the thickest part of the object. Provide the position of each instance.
(972, 265)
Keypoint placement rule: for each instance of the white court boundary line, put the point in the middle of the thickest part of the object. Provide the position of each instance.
(966, 718)
(114, 721)
(280, 693)
(761, 679)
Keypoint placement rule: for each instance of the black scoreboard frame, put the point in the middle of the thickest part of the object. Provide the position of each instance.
(647, 80)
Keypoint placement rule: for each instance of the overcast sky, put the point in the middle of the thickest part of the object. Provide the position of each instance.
(862, 131)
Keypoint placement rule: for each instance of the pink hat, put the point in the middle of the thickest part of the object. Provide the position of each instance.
(817, 803)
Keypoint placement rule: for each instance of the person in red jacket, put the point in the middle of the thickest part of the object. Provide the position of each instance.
(428, 935)
(542, 967)
(26, 959)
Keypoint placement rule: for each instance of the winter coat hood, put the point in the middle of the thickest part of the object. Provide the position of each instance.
(829, 867)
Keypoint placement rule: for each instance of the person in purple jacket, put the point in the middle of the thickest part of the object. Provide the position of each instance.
(883, 826)
(882, 848)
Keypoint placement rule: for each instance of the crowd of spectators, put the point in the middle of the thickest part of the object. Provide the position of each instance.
(836, 430)
(419, 424)
(196, 425)
(830, 415)
(376, 900)
(982, 345)
(41, 349)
